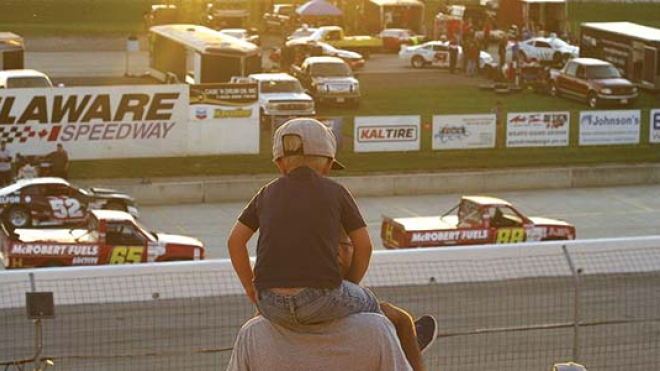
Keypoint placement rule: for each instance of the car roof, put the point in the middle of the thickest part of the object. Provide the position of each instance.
(324, 59)
(486, 200)
(590, 61)
(22, 73)
(272, 76)
(21, 183)
(113, 215)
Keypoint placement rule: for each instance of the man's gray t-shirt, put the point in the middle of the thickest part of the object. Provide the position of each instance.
(359, 342)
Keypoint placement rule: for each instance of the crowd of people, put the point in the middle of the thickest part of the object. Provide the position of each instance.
(14, 167)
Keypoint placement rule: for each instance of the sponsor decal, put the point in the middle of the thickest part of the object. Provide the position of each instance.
(404, 133)
(200, 113)
(126, 255)
(449, 133)
(54, 250)
(510, 235)
(224, 113)
(10, 199)
(85, 260)
(558, 232)
(453, 235)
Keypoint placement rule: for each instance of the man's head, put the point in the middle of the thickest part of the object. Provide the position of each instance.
(305, 142)
(60, 147)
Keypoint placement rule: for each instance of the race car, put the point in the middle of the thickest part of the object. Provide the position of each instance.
(55, 201)
(436, 53)
(108, 237)
(545, 49)
(477, 220)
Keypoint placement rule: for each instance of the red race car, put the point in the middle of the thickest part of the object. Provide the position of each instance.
(477, 220)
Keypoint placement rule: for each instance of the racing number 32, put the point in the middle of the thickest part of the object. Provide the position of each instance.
(126, 255)
(510, 235)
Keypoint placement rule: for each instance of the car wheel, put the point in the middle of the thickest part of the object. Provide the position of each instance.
(418, 62)
(557, 58)
(19, 217)
(592, 100)
(553, 89)
(522, 56)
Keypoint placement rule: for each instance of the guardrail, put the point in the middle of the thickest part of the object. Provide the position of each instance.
(499, 308)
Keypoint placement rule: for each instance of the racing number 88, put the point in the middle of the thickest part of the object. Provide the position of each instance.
(126, 255)
(510, 235)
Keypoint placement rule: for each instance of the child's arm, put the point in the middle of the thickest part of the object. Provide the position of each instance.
(362, 247)
(237, 245)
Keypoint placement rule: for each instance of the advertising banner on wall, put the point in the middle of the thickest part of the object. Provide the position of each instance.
(537, 129)
(386, 133)
(654, 135)
(96, 122)
(224, 119)
(464, 131)
(609, 127)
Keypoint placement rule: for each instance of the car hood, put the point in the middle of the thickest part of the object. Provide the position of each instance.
(176, 239)
(612, 82)
(341, 53)
(539, 221)
(107, 193)
(274, 97)
(338, 80)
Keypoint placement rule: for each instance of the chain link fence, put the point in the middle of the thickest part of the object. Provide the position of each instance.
(499, 308)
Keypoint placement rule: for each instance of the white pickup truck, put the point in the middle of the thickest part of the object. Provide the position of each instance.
(280, 96)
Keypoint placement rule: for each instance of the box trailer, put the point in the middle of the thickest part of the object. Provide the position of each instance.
(11, 51)
(548, 16)
(631, 47)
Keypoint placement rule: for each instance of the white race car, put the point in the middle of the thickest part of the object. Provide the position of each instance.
(545, 49)
(436, 53)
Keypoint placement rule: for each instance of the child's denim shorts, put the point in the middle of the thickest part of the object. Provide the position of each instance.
(313, 306)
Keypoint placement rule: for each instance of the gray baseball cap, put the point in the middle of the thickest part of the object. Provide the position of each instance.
(317, 140)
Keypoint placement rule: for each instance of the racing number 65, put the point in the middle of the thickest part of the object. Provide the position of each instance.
(126, 255)
(510, 235)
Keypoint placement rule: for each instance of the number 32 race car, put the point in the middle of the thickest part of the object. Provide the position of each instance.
(478, 220)
(54, 201)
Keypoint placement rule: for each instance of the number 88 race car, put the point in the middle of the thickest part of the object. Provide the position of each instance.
(54, 201)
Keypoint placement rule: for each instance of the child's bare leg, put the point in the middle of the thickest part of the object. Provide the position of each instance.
(405, 330)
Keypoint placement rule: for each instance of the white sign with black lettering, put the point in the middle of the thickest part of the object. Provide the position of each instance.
(654, 135)
(609, 127)
(464, 131)
(386, 133)
(537, 129)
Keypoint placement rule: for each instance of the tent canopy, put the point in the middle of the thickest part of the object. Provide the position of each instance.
(318, 8)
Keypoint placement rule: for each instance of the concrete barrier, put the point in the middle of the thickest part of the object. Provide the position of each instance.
(242, 188)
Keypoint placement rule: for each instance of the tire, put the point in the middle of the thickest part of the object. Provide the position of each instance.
(557, 58)
(418, 62)
(552, 89)
(592, 100)
(19, 217)
(522, 56)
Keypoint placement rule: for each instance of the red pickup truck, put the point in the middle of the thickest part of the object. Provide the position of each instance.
(477, 220)
(111, 237)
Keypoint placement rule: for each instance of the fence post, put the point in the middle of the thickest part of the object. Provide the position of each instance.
(576, 310)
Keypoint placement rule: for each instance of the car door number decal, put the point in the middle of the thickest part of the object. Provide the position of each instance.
(510, 235)
(126, 255)
(65, 208)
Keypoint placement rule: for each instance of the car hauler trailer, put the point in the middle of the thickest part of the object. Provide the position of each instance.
(381, 14)
(548, 16)
(631, 47)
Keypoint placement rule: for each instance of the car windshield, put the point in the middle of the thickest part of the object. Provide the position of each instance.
(28, 82)
(602, 72)
(331, 69)
(274, 86)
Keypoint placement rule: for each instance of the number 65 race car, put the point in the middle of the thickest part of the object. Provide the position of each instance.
(54, 201)
(478, 220)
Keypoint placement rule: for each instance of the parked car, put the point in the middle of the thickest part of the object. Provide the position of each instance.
(304, 31)
(328, 79)
(394, 38)
(475, 220)
(250, 35)
(545, 50)
(593, 81)
(54, 201)
(436, 53)
(24, 78)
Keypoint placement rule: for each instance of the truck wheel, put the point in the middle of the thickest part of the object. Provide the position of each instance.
(417, 62)
(19, 217)
(557, 58)
(592, 100)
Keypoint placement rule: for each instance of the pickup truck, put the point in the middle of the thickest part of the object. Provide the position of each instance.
(282, 18)
(335, 36)
(280, 96)
(478, 220)
(110, 237)
(329, 80)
